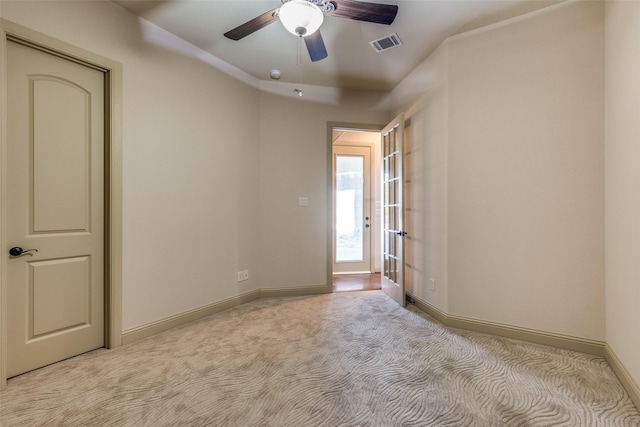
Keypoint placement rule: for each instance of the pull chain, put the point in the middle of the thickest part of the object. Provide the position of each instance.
(299, 65)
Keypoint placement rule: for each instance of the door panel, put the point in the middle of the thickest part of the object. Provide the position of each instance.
(59, 297)
(55, 175)
(393, 210)
(352, 209)
(61, 155)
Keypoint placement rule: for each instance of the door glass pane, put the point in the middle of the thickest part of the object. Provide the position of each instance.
(349, 205)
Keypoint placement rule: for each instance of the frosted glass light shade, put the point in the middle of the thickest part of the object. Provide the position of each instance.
(300, 17)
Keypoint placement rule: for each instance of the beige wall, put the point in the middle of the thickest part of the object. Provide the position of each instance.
(526, 188)
(519, 166)
(190, 161)
(293, 163)
(507, 175)
(426, 177)
(622, 180)
(212, 167)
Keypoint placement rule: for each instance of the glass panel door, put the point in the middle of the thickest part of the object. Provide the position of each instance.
(352, 209)
(392, 279)
(349, 208)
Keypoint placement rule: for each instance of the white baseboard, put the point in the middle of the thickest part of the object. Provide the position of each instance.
(623, 375)
(162, 325)
(346, 273)
(566, 342)
(171, 322)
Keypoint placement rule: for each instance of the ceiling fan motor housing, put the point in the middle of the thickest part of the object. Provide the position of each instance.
(327, 7)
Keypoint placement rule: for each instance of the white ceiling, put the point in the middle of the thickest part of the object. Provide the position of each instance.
(352, 63)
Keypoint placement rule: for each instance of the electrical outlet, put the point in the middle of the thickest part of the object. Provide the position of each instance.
(432, 284)
(303, 201)
(245, 275)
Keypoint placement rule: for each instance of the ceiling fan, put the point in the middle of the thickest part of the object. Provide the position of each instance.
(304, 17)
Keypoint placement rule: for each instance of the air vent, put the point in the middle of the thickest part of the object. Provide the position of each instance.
(386, 43)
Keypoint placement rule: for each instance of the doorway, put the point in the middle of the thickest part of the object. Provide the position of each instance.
(352, 209)
(69, 192)
(355, 208)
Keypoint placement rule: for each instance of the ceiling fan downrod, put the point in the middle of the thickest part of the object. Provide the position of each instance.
(298, 90)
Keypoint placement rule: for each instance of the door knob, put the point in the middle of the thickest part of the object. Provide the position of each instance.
(401, 233)
(17, 251)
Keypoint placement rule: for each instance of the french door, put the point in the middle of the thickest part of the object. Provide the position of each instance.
(393, 210)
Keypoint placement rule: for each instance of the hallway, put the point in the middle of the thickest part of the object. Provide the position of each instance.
(356, 282)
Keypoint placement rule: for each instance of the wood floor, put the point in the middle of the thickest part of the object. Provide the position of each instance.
(356, 282)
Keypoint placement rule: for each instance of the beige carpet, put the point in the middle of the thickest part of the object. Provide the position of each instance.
(344, 359)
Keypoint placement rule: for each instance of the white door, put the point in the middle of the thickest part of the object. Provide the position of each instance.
(392, 278)
(352, 209)
(55, 193)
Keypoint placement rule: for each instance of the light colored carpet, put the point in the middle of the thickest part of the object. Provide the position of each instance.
(343, 359)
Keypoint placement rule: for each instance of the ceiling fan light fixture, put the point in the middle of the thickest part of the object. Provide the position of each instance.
(300, 17)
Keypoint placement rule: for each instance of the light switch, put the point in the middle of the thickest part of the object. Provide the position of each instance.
(303, 201)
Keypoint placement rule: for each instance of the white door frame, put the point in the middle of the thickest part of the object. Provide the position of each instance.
(113, 177)
(330, 207)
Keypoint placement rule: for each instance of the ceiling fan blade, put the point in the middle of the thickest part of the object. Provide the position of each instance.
(315, 46)
(252, 26)
(364, 11)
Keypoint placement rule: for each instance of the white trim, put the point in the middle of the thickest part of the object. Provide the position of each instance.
(171, 322)
(630, 385)
(567, 342)
(347, 273)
